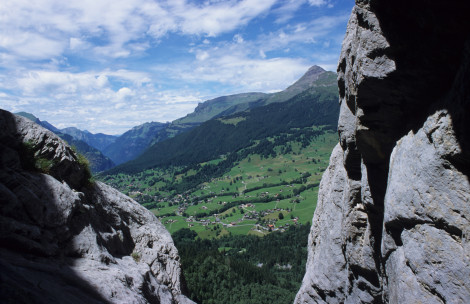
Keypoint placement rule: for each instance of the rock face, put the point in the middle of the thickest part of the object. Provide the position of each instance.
(392, 219)
(64, 239)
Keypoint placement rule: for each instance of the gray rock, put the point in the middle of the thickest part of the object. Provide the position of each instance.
(392, 219)
(63, 239)
(326, 263)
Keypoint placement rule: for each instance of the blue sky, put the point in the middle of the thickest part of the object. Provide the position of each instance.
(108, 65)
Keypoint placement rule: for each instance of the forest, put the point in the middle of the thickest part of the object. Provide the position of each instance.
(240, 269)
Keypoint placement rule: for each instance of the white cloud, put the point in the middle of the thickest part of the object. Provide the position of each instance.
(77, 63)
(238, 38)
(109, 28)
(123, 93)
(286, 11)
(72, 99)
(317, 2)
(214, 18)
(202, 55)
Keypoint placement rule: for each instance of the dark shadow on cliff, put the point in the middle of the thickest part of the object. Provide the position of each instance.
(429, 43)
(35, 267)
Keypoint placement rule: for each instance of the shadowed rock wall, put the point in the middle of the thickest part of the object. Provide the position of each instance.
(66, 240)
(392, 219)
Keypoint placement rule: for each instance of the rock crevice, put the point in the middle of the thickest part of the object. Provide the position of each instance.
(398, 230)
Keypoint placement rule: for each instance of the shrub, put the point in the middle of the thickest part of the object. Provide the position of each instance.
(136, 256)
(31, 161)
(85, 165)
(43, 165)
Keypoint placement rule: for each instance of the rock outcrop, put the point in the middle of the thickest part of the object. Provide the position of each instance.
(65, 239)
(392, 219)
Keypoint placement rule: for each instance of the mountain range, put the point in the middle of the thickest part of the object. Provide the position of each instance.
(106, 150)
(315, 106)
(81, 141)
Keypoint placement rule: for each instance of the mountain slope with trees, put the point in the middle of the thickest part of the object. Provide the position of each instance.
(99, 140)
(133, 142)
(315, 106)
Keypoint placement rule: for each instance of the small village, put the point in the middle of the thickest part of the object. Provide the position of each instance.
(265, 222)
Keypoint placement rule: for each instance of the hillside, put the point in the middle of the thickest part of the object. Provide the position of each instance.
(315, 106)
(227, 105)
(217, 210)
(99, 140)
(212, 108)
(98, 161)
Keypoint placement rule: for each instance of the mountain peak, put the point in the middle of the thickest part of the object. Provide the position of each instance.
(309, 77)
(315, 70)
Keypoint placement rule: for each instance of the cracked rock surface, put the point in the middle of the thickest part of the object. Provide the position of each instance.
(66, 240)
(392, 219)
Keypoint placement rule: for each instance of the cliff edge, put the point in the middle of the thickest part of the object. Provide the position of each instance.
(392, 219)
(66, 239)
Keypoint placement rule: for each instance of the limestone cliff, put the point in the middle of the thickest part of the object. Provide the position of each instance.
(64, 239)
(392, 219)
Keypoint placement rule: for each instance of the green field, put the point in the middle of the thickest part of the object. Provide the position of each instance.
(247, 199)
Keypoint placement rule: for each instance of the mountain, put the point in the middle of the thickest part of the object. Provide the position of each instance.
(314, 77)
(67, 239)
(44, 124)
(133, 142)
(316, 106)
(211, 108)
(98, 161)
(99, 141)
(393, 213)
(227, 105)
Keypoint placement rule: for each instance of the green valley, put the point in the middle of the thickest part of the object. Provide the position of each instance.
(247, 199)
(238, 191)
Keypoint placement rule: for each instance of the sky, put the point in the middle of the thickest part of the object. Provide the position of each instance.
(108, 65)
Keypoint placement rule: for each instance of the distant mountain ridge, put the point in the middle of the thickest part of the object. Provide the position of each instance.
(98, 161)
(315, 106)
(213, 107)
(134, 142)
(99, 140)
(231, 104)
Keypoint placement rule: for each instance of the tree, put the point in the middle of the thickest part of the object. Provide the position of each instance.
(281, 216)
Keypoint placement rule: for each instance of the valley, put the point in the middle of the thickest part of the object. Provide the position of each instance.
(235, 183)
(238, 191)
(247, 199)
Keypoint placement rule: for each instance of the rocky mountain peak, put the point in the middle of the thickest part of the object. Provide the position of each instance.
(314, 70)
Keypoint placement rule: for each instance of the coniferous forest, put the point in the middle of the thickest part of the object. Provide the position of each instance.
(243, 268)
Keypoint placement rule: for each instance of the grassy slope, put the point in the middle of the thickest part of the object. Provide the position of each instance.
(316, 106)
(251, 172)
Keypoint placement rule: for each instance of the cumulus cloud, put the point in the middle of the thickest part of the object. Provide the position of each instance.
(248, 65)
(73, 62)
(46, 28)
(94, 101)
(317, 2)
